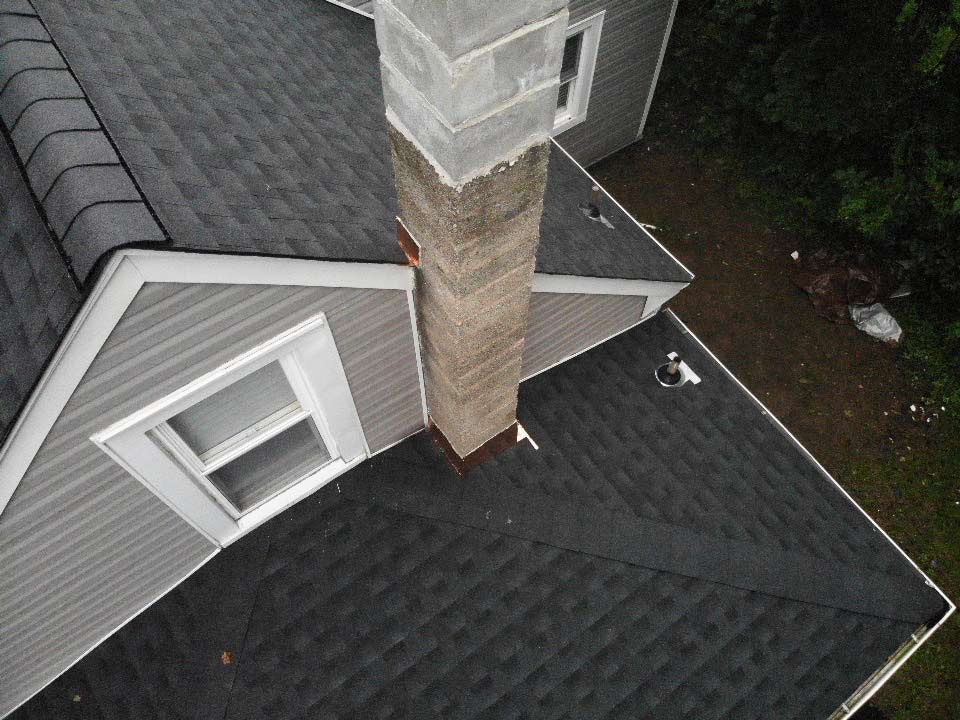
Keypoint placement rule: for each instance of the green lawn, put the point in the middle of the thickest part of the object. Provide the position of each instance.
(915, 496)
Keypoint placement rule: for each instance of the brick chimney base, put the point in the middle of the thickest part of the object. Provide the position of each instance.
(478, 247)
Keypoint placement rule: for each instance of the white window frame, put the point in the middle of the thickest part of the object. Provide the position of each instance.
(148, 449)
(578, 99)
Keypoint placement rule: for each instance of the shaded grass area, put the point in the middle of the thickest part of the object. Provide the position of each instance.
(914, 493)
(844, 395)
(915, 497)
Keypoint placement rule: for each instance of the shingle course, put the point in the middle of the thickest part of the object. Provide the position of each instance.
(403, 590)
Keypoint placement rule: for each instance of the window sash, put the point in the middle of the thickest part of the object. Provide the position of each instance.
(152, 452)
(203, 465)
(576, 78)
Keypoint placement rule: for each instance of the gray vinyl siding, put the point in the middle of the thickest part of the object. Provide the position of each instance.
(565, 324)
(633, 32)
(83, 545)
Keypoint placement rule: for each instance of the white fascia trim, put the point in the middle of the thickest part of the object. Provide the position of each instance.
(581, 284)
(346, 6)
(656, 73)
(186, 267)
(116, 287)
(120, 281)
(622, 208)
(951, 607)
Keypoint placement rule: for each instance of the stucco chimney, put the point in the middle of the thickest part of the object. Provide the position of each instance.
(471, 94)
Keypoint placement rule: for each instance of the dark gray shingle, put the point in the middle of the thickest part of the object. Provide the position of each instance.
(403, 590)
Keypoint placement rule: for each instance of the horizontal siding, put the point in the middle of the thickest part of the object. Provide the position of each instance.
(565, 324)
(630, 44)
(82, 544)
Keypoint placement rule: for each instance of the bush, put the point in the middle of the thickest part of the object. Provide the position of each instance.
(846, 112)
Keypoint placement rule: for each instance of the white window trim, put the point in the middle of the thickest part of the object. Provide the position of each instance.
(122, 277)
(579, 99)
(309, 357)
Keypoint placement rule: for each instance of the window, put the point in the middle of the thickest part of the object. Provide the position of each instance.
(238, 445)
(576, 72)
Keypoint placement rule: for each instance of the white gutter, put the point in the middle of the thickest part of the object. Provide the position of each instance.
(873, 684)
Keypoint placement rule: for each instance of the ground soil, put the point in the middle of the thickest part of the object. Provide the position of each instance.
(838, 390)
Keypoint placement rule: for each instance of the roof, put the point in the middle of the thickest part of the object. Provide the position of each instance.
(37, 293)
(252, 127)
(259, 127)
(667, 552)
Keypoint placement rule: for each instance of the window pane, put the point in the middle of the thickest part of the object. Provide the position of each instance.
(234, 409)
(571, 57)
(564, 97)
(271, 467)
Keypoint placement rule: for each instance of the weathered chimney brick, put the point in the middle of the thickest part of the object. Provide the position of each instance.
(471, 93)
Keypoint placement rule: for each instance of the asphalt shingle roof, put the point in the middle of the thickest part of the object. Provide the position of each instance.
(38, 297)
(596, 577)
(257, 126)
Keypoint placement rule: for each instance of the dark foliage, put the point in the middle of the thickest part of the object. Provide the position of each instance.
(844, 114)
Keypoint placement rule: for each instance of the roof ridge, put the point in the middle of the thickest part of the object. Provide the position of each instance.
(54, 128)
(655, 545)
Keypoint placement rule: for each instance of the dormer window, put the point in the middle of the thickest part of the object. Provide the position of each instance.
(576, 72)
(236, 446)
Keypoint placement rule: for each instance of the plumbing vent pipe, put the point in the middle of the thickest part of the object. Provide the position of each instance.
(592, 209)
(670, 374)
(675, 372)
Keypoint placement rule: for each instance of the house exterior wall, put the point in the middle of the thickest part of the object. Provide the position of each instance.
(565, 324)
(83, 545)
(633, 34)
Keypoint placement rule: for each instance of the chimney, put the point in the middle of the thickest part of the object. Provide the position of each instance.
(471, 94)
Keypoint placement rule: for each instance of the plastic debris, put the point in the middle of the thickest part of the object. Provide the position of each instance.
(876, 322)
(834, 282)
(795, 255)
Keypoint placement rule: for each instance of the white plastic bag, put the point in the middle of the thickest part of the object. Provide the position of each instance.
(875, 321)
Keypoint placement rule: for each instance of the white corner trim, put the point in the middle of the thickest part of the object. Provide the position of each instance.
(120, 281)
(351, 8)
(623, 209)
(181, 267)
(585, 285)
(117, 286)
(656, 73)
(951, 607)
(415, 329)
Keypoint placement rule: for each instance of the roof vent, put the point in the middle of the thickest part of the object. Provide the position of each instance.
(591, 210)
(676, 372)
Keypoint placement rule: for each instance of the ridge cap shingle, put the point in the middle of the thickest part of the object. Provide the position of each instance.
(64, 149)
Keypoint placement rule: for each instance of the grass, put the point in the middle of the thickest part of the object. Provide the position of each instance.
(917, 501)
(914, 494)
